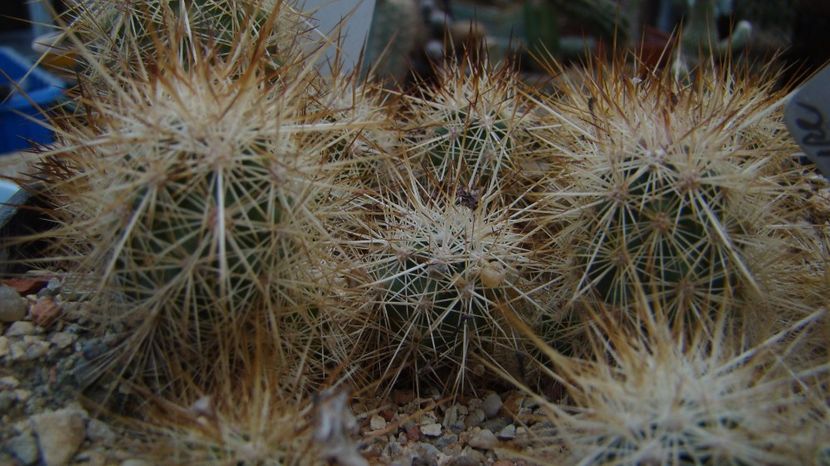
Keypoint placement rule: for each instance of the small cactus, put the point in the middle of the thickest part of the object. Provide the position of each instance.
(126, 35)
(653, 396)
(673, 186)
(438, 266)
(474, 125)
(195, 203)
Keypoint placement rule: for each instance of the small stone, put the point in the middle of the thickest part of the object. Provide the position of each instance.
(471, 458)
(428, 452)
(45, 311)
(12, 306)
(4, 346)
(99, 432)
(446, 440)
(491, 405)
(91, 349)
(483, 440)
(54, 284)
(24, 448)
(377, 422)
(36, 349)
(431, 430)
(496, 424)
(393, 449)
(59, 434)
(63, 340)
(508, 433)
(21, 328)
(8, 382)
(17, 350)
(474, 418)
(22, 395)
(451, 416)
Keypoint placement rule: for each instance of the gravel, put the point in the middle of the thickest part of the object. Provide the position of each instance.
(42, 368)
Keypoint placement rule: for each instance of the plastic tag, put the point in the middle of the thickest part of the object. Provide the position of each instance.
(808, 118)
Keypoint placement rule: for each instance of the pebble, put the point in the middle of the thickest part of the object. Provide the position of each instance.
(98, 431)
(93, 348)
(451, 416)
(396, 441)
(483, 439)
(474, 418)
(9, 382)
(44, 311)
(431, 430)
(4, 346)
(23, 447)
(12, 306)
(36, 348)
(508, 433)
(428, 452)
(468, 458)
(17, 351)
(21, 328)
(377, 422)
(496, 424)
(491, 405)
(59, 434)
(63, 340)
(446, 440)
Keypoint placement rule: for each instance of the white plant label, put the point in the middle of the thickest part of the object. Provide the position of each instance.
(808, 118)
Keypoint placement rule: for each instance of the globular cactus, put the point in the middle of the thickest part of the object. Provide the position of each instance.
(125, 35)
(193, 200)
(434, 268)
(674, 186)
(473, 126)
(652, 396)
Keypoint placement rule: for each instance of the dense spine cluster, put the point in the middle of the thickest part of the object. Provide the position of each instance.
(258, 232)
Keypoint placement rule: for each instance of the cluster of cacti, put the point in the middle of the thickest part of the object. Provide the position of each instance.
(249, 220)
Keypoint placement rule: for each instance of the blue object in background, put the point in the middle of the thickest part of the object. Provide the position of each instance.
(40, 88)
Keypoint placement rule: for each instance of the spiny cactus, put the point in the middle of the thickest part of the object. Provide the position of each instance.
(434, 267)
(195, 200)
(672, 185)
(125, 35)
(253, 416)
(474, 125)
(652, 396)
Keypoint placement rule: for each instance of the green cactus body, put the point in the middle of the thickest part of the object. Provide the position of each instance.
(478, 143)
(660, 236)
